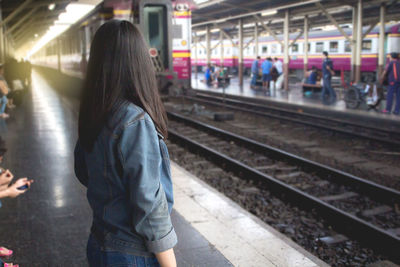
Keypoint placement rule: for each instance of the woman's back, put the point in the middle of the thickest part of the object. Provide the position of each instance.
(120, 156)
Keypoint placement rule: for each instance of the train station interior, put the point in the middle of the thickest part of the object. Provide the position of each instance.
(199, 133)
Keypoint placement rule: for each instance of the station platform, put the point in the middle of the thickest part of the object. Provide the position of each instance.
(294, 99)
(49, 224)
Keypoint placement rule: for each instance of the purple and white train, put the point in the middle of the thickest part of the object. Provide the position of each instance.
(332, 41)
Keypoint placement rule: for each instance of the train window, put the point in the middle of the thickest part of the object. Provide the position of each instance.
(333, 47)
(319, 47)
(248, 51)
(295, 48)
(347, 46)
(309, 47)
(274, 49)
(366, 45)
(156, 32)
(264, 49)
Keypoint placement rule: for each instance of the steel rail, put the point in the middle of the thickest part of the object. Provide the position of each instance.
(352, 226)
(374, 190)
(246, 106)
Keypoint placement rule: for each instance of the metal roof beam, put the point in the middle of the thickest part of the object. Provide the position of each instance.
(298, 3)
(268, 29)
(332, 19)
(297, 37)
(15, 12)
(20, 21)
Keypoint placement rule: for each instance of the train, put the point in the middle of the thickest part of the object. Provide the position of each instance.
(165, 24)
(332, 41)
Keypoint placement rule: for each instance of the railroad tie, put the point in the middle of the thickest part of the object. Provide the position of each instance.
(289, 175)
(376, 211)
(332, 240)
(338, 197)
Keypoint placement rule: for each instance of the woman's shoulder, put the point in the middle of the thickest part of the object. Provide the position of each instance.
(131, 114)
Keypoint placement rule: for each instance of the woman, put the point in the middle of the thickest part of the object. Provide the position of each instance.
(120, 155)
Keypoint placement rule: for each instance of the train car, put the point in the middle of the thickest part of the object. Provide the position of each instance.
(165, 24)
(332, 41)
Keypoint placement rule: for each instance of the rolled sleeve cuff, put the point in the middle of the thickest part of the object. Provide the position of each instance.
(165, 243)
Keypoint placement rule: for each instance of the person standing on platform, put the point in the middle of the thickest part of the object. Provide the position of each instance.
(279, 68)
(208, 75)
(327, 72)
(255, 69)
(266, 67)
(4, 90)
(393, 72)
(121, 156)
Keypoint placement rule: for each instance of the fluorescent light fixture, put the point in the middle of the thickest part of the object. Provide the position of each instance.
(73, 13)
(52, 6)
(200, 1)
(214, 30)
(269, 12)
(220, 20)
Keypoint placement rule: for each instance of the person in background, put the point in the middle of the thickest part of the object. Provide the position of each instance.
(254, 72)
(208, 75)
(327, 72)
(312, 75)
(279, 67)
(9, 190)
(266, 67)
(122, 124)
(3, 94)
(393, 73)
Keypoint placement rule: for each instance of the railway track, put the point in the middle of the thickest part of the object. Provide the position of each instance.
(389, 137)
(358, 208)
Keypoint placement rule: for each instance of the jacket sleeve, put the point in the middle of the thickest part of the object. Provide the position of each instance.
(141, 161)
(80, 164)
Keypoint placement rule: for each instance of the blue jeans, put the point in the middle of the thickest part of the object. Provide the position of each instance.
(3, 104)
(254, 79)
(393, 89)
(327, 89)
(99, 257)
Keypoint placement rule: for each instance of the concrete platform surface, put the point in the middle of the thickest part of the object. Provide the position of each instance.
(241, 237)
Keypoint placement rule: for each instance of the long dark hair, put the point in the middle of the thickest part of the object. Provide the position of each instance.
(119, 69)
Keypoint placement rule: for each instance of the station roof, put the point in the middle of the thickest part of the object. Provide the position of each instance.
(25, 20)
(226, 13)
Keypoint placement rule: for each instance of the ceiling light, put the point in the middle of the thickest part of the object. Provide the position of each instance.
(36, 35)
(52, 6)
(269, 12)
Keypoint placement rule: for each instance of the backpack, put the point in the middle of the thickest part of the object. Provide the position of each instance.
(396, 71)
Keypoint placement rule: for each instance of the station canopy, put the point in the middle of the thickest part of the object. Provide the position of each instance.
(224, 14)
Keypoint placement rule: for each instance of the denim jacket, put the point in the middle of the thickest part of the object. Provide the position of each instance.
(129, 187)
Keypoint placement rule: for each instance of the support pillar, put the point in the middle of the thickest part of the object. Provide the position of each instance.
(305, 45)
(256, 52)
(240, 52)
(381, 46)
(2, 56)
(221, 42)
(59, 54)
(353, 45)
(357, 75)
(196, 49)
(286, 50)
(208, 44)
